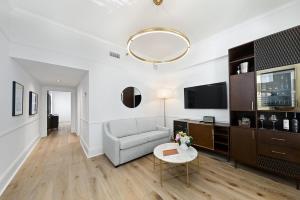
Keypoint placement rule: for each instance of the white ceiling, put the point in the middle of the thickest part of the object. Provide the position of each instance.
(115, 20)
(48, 74)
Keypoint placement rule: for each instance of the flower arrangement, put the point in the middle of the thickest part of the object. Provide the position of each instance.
(183, 140)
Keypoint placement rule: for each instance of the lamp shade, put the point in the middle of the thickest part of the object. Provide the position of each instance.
(164, 93)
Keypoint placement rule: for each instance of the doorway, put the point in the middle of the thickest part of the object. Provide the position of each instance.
(59, 110)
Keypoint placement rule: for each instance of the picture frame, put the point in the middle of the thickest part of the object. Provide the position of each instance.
(33, 103)
(17, 99)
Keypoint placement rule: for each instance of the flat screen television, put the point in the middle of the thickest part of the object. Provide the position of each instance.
(212, 96)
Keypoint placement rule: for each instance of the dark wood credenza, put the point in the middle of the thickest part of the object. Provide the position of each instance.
(210, 136)
(274, 151)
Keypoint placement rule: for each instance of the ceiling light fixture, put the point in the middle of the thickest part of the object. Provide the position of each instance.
(167, 37)
(158, 2)
(148, 31)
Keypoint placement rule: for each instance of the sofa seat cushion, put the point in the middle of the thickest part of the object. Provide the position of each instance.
(156, 135)
(123, 127)
(133, 140)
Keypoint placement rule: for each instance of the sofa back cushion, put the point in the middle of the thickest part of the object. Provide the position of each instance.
(123, 127)
(146, 124)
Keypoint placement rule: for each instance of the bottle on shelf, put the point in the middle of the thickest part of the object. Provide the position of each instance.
(286, 123)
(295, 124)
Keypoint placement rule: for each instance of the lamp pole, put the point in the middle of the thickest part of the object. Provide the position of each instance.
(165, 121)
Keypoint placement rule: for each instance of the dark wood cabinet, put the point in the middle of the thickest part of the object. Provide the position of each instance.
(243, 145)
(274, 151)
(280, 145)
(179, 126)
(243, 92)
(214, 137)
(202, 135)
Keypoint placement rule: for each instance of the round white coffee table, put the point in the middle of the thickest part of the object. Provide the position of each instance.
(183, 157)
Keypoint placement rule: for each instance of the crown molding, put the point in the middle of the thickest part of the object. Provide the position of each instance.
(83, 33)
(4, 33)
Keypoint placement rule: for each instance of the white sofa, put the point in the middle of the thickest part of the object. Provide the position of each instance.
(128, 139)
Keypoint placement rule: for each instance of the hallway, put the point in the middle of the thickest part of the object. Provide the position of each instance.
(52, 170)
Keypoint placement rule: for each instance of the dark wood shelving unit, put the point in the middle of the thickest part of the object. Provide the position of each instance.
(240, 54)
(222, 140)
(242, 105)
(274, 151)
(240, 60)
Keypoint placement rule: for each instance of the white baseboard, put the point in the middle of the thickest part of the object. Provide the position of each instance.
(10, 173)
(84, 147)
(93, 152)
(90, 152)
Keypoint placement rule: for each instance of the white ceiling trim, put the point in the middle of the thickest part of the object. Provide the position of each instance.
(5, 34)
(25, 12)
(34, 53)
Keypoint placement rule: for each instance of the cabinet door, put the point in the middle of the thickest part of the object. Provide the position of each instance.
(242, 92)
(243, 145)
(202, 135)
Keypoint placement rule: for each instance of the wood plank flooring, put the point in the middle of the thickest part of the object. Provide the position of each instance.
(58, 169)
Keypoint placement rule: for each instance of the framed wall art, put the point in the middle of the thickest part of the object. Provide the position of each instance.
(33, 103)
(17, 99)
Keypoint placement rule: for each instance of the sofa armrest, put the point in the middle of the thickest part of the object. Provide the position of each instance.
(111, 146)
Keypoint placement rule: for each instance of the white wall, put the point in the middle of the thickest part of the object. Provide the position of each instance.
(83, 112)
(217, 45)
(211, 72)
(61, 105)
(209, 59)
(17, 134)
(106, 83)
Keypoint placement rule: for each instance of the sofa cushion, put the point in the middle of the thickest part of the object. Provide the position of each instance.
(156, 135)
(123, 127)
(133, 140)
(146, 124)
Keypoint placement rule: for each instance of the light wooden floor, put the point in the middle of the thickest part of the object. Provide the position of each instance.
(58, 169)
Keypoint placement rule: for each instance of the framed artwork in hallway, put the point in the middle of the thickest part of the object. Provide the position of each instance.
(33, 103)
(17, 99)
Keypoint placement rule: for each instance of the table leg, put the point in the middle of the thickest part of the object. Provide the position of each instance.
(198, 158)
(160, 172)
(153, 162)
(187, 175)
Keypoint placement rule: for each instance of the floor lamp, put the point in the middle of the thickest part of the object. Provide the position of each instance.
(164, 94)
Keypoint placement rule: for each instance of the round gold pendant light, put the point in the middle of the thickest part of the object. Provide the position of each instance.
(182, 38)
(158, 45)
(158, 2)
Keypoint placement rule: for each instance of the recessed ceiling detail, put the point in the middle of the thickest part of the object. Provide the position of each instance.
(158, 45)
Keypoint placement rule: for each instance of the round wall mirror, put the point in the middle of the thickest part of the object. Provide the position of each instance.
(131, 97)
